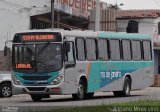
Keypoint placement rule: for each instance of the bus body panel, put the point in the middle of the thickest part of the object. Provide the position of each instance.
(109, 75)
(70, 80)
(112, 73)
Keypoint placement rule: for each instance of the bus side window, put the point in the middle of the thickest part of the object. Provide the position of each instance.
(91, 49)
(147, 50)
(103, 49)
(126, 50)
(115, 50)
(80, 47)
(136, 50)
(69, 54)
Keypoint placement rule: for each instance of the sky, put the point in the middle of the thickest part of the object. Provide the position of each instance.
(136, 4)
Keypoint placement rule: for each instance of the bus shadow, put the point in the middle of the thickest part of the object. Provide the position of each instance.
(93, 98)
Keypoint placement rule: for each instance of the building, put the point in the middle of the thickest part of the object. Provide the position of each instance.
(142, 21)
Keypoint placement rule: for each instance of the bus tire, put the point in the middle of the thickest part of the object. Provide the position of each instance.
(5, 90)
(126, 89)
(81, 91)
(36, 98)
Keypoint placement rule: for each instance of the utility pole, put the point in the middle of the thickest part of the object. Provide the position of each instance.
(116, 6)
(58, 19)
(97, 19)
(58, 15)
(52, 13)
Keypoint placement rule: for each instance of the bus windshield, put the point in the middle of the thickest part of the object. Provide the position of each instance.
(37, 58)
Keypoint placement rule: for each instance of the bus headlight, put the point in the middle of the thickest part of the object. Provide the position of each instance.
(57, 80)
(16, 81)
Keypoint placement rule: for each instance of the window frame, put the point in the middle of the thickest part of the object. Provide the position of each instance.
(150, 50)
(73, 54)
(140, 49)
(85, 56)
(158, 27)
(120, 53)
(108, 50)
(96, 49)
(131, 26)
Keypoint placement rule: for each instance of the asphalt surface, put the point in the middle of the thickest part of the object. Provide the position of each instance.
(20, 103)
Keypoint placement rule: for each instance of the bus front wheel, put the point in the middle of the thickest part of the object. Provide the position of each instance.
(126, 89)
(81, 91)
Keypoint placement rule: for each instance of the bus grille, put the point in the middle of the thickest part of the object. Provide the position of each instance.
(36, 77)
(35, 80)
(36, 88)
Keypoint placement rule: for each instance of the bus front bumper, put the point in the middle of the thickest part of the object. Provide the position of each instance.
(50, 89)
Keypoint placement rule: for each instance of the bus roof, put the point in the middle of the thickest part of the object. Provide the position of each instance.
(78, 33)
(99, 34)
(73, 33)
(123, 35)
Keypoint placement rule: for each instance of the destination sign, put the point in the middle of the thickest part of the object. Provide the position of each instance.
(37, 37)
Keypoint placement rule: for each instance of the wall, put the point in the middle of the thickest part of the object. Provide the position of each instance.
(122, 25)
(146, 26)
(13, 17)
(40, 7)
(107, 20)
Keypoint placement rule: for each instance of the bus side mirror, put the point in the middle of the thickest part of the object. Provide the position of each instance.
(5, 50)
(67, 46)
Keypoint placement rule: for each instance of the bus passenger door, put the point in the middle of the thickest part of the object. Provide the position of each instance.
(70, 70)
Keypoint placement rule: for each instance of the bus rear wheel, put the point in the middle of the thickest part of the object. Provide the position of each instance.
(81, 91)
(126, 89)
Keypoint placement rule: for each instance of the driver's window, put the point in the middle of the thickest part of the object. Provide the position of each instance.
(69, 46)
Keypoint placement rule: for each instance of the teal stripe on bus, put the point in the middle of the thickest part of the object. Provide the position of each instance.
(95, 80)
(123, 35)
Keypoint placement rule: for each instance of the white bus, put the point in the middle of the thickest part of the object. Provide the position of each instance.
(58, 62)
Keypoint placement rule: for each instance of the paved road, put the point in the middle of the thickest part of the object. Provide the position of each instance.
(25, 102)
